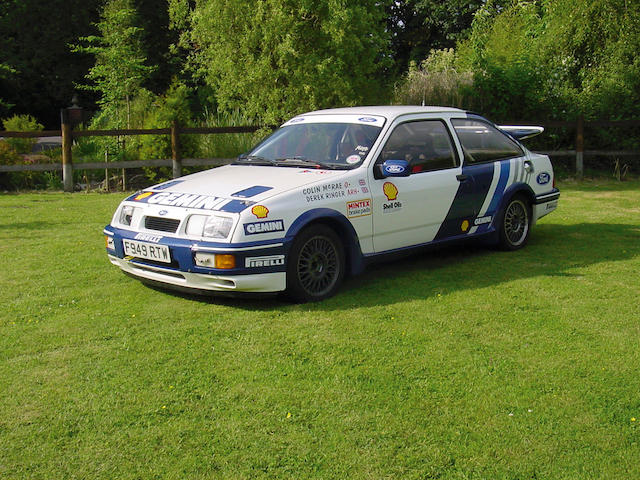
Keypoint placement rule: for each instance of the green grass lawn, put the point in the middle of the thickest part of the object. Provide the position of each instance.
(466, 363)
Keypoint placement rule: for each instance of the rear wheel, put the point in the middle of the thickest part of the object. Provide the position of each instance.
(316, 264)
(515, 224)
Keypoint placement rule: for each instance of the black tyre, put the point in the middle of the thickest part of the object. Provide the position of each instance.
(316, 264)
(515, 224)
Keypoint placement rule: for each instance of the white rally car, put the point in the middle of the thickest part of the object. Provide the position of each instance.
(330, 190)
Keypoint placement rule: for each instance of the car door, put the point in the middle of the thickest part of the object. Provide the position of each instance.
(409, 210)
(492, 162)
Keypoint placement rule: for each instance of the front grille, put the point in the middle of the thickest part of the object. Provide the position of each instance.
(161, 224)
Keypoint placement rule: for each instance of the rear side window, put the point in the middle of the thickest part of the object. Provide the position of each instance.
(482, 142)
(425, 144)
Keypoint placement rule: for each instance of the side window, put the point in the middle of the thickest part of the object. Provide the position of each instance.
(483, 143)
(425, 144)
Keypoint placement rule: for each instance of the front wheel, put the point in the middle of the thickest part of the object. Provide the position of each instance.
(316, 265)
(515, 224)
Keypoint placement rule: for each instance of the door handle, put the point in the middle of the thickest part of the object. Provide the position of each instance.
(462, 178)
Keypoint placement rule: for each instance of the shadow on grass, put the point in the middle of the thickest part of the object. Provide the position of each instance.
(29, 226)
(553, 250)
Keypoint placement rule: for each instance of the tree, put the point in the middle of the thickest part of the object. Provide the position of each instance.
(34, 38)
(120, 63)
(419, 26)
(556, 57)
(5, 72)
(274, 58)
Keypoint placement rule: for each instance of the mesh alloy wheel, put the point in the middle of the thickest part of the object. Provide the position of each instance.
(316, 264)
(516, 223)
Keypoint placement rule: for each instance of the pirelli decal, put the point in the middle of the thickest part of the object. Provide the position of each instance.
(268, 261)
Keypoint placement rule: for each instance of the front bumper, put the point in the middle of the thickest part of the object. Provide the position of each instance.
(248, 276)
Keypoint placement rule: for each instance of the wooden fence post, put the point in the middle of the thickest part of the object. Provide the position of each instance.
(67, 141)
(580, 147)
(175, 150)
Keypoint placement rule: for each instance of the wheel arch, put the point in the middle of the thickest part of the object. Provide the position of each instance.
(513, 190)
(354, 260)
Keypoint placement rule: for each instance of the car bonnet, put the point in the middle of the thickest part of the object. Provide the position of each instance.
(232, 187)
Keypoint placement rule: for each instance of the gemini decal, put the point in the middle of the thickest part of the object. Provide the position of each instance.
(263, 227)
(482, 220)
(186, 200)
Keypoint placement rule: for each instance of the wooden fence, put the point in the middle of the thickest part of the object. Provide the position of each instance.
(177, 162)
(68, 135)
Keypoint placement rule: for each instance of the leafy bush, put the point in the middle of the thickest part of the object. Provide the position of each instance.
(278, 58)
(22, 123)
(8, 155)
(558, 59)
(437, 81)
(227, 145)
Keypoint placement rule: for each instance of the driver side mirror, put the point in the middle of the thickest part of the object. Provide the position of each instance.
(391, 168)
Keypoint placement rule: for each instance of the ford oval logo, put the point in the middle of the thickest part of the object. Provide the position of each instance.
(367, 119)
(162, 212)
(543, 178)
(394, 168)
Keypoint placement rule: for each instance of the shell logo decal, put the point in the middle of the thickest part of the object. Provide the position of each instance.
(260, 211)
(142, 196)
(465, 225)
(390, 190)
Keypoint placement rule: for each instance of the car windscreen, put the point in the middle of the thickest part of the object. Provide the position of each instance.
(337, 145)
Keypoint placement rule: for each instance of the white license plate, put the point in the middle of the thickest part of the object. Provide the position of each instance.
(159, 253)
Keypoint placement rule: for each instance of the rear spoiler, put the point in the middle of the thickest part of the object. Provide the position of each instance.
(521, 132)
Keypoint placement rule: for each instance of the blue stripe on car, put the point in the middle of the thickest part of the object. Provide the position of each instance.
(234, 206)
(251, 191)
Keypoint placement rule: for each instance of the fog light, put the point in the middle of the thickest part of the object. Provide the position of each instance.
(205, 259)
(109, 243)
(213, 260)
(225, 261)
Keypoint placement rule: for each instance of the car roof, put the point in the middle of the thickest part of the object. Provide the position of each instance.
(388, 111)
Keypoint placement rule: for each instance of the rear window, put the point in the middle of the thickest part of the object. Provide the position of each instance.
(482, 142)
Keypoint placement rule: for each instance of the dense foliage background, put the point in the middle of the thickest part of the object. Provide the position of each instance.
(143, 63)
(270, 59)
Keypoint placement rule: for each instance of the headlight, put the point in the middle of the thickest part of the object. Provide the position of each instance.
(209, 226)
(217, 227)
(126, 214)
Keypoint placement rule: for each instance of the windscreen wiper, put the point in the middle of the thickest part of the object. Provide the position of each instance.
(253, 160)
(298, 161)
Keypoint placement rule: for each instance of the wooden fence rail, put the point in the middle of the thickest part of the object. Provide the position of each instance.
(68, 134)
(177, 162)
